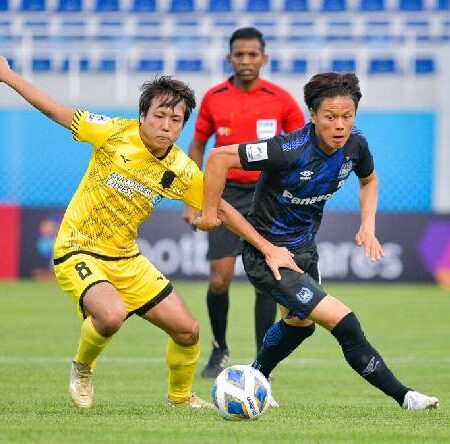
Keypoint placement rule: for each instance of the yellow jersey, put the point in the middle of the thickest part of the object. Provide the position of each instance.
(122, 185)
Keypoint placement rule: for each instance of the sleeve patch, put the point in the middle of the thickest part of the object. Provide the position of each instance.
(97, 119)
(256, 151)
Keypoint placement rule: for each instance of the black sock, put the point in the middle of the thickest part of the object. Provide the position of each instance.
(365, 360)
(265, 313)
(280, 341)
(218, 312)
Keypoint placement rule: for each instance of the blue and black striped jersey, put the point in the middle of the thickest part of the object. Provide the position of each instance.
(297, 179)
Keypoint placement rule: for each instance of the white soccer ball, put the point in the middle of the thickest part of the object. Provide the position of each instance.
(241, 392)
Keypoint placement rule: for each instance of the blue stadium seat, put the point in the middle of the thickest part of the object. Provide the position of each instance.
(148, 30)
(110, 30)
(334, 5)
(189, 65)
(143, 6)
(372, 5)
(106, 6)
(12, 63)
(69, 6)
(299, 66)
(383, 66)
(424, 66)
(4, 6)
(36, 28)
(275, 65)
(32, 5)
(154, 65)
(73, 29)
(443, 5)
(341, 30)
(226, 68)
(258, 6)
(302, 30)
(220, 6)
(181, 6)
(107, 65)
(41, 65)
(296, 5)
(411, 5)
(343, 65)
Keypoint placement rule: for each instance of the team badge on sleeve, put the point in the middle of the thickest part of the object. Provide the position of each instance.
(256, 151)
(97, 118)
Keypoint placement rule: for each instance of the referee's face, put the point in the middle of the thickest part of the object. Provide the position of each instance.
(246, 59)
(162, 125)
(333, 122)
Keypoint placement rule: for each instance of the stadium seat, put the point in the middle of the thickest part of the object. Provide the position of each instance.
(106, 6)
(334, 5)
(411, 5)
(148, 30)
(226, 68)
(189, 65)
(4, 6)
(424, 66)
(110, 30)
(69, 6)
(72, 29)
(296, 5)
(299, 66)
(146, 65)
(41, 65)
(372, 5)
(383, 66)
(220, 6)
(143, 6)
(419, 29)
(343, 65)
(36, 28)
(443, 5)
(275, 65)
(107, 65)
(302, 30)
(258, 6)
(181, 6)
(32, 5)
(339, 30)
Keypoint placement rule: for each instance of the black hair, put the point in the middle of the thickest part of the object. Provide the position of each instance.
(173, 90)
(248, 33)
(331, 84)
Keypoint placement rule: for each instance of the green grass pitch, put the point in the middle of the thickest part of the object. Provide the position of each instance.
(322, 400)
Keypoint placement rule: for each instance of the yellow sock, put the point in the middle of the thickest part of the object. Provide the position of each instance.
(91, 343)
(182, 363)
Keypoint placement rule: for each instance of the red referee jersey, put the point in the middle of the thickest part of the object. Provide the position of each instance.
(234, 116)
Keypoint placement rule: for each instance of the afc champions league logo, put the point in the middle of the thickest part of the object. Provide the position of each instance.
(434, 248)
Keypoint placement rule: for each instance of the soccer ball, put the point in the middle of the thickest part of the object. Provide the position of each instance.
(241, 392)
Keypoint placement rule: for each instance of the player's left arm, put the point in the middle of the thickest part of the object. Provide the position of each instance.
(368, 198)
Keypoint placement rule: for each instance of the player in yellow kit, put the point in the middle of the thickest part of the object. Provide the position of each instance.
(135, 163)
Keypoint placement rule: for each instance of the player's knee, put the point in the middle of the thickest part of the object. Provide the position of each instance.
(189, 336)
(110, 322)
(348, 331)
(219, 283)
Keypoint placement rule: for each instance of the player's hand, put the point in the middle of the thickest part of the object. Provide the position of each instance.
(4, 68)
(372, 247)
(280, 257)
(189, 216)
(206, 223)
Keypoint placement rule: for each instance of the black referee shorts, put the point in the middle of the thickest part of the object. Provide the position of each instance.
(298, 292)
(222, 242)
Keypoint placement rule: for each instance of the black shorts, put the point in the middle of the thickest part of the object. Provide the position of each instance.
(298, 292)
(222, 242)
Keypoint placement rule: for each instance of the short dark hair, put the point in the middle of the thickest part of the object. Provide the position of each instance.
(248, 33)
(331, 84)
(174, 90)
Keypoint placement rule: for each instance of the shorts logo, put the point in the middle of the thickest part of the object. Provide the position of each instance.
(97, 118)
(256, 151)
(304, 295)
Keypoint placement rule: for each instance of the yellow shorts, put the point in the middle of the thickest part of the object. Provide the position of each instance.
(140, 285)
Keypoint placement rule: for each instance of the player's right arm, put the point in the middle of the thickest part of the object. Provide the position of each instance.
(196, 153)
(59, 113)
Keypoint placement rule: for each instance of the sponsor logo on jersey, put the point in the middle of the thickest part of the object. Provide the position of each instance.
(306, 175)
(304, 295)
(345, 170)
(97, 119)
(224, 131)
(256, 151)
(305, 200)
(293, 144)
(266, 128)
(126, 186)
